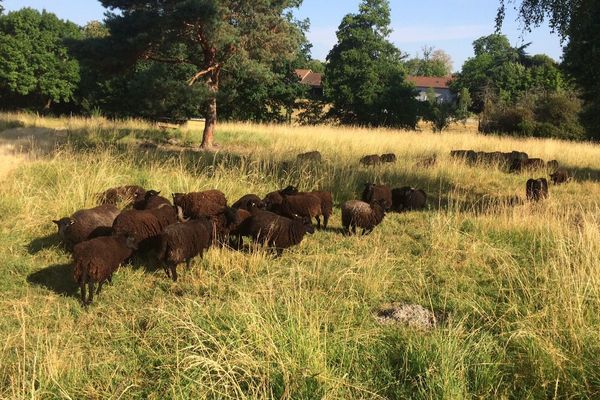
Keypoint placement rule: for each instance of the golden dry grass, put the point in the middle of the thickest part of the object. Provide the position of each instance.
(520, 284)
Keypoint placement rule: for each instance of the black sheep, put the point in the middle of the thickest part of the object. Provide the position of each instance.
(560, 176)
(183, 241)
(374, 192)
(536, 189)
(372, 159)
(552, 166)
(356, 213)
(325, 199)
(150, 200)
(407, 198)
(86, 224)
(388, 158)
(276, 231)
(200, 204)
(244, 202)
(95, 260)
(145, 225)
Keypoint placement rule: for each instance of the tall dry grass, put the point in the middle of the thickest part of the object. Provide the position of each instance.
(519, 284)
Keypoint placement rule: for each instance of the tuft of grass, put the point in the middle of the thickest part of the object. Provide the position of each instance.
(519, 284)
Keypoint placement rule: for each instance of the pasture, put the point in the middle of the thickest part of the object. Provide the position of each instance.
(519, 286)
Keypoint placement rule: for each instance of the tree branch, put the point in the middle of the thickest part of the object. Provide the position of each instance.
(200, 74)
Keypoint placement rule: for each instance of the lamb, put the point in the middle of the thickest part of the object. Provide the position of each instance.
(86, 224)
(276, 231)
(372, 159)
(200, 204)
(326, 199)
(121, 194)
(561, 175)
(309, 156)
(536, 189)
(388, 158)
(183, 241)
(244, 202)
(95, 260)
(150, 200)
(374, 192)
(145, 225)
(427, 162)
(407, 198)
(552, 165)
(356, 213)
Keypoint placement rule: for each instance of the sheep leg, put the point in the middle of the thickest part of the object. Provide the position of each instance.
(82, 287)
(90, 292)
(174, 272)
(278, 252)
(325, 220)
(188, 262)
(318, 218)
(99, 288)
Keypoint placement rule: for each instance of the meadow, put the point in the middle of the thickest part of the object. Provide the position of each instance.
(519, 286)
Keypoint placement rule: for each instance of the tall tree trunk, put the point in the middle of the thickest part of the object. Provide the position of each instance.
(211, 111)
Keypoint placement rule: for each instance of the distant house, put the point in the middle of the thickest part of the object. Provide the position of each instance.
(439, 84)
(312, 79)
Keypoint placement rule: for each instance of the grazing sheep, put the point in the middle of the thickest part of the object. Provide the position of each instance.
(309, 156)
(372, 159)
(561, 175)
(183, 241)
(234, 229)
(150, 200)
(275, 230)
(200, 204)
(121, 194)
(244, 202)
(86, 224)
(529, 165)
(303, 205)
(145, 225)
(552, 165)
(388, 158)
(356, 213)
(407, 198)
(326, 199)
(536, 189)
(95, 260)
(374, 192)
(518, 155)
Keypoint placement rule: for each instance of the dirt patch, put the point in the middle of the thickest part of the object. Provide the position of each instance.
(411, 315)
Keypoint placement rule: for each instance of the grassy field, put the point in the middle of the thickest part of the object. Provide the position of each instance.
(520, 285)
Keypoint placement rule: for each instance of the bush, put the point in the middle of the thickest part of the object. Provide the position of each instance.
(539, 114)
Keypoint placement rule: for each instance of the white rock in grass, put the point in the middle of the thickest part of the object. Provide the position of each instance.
(412, 315)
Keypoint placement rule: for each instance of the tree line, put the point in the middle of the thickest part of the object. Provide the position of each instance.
(236, 60)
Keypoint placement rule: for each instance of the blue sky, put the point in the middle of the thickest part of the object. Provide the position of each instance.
(451, 25)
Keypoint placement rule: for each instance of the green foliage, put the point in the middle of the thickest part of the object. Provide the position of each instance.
(463, 105)
(364, 77)
(36, 68)
(538, 114)
(505, 72)
(582, 61)
(433, 63)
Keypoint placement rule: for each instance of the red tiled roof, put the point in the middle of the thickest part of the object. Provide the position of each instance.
(307, 77)
(436, 82)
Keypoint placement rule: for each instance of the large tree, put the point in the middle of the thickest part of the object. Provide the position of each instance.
(207, 35)
(578, 23)
(35, 66)
(364, 77)
(432, 63)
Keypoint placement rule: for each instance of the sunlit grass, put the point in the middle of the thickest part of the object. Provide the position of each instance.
(519, 284)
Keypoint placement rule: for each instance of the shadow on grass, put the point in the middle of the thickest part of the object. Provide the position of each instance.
(39, 244)
(57, 278)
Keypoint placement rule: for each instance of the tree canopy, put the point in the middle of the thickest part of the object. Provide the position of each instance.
(35, 66)
(206, 35)
(364, 77)
(432, 63)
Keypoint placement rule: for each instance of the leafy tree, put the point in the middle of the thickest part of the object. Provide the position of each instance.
(35, 66)
(463, 104)
(439, 113)
(433, 63)
(364, 77)
(505, 71)
(1, 7)
(207, 35)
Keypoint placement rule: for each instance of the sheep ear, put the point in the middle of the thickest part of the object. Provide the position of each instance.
(57, 222)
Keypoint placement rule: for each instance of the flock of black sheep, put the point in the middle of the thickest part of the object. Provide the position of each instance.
(104, 237)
